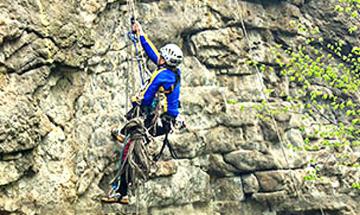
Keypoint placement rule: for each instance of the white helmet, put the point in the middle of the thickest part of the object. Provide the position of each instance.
(172, 54)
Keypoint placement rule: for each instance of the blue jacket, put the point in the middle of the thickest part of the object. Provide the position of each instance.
(163, 80)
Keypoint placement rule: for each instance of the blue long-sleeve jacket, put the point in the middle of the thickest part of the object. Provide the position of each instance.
(162, 79)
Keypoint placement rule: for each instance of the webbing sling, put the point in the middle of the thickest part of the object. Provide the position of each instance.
(168, 120)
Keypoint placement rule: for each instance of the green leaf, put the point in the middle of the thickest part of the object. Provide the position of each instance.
(232, 101)
(342, 106)
(355, 121)
(352, 29)
(356, 185)
(354, 14)
(339, 8)
(242, 107)
(349, 103)
(349, 112)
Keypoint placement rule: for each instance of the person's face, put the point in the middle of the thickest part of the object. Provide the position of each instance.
(161, 61)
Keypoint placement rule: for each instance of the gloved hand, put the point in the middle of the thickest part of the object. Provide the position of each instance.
(135, 100)
(180, 122)
(136, 27)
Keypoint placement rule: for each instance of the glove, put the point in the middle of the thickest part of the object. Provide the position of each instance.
(135, 100)
(136, 27)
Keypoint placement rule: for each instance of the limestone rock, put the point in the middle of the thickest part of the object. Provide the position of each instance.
(250, 183)
(188, 145)
(222, 139)
(248, 161)
(271, 181)
(84, 181)
(237, 117)
(294, 137)
(165, 168)
(21, 125)
(298, 120)
(53, 144)
(209, 47)
(253, 133)
(246, 208)
(12, 171)
(188, 185)
(219, 167)
(195, 74)
(67, 70)
(247, 88)
(228, 189)
(204, 104)
(33, 80)
(193, 209)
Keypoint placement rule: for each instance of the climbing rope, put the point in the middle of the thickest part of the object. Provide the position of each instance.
(277, 130)
(129, 67)
(135, 142)
(139, 54)
(262, 85)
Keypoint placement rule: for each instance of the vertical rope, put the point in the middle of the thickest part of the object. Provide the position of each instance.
(262, 85)
(129, 67)
(132, 14)
(259, 76)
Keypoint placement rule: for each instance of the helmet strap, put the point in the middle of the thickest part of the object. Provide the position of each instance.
(172, 68)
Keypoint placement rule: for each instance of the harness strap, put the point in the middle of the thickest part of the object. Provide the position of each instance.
(166, 142)
(171, 149)
(178, 79)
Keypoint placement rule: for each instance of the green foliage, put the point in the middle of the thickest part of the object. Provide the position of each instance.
(232, 101)
(325, 79)
(356, 185)
(356, 165)
(325, 87)
(312, 174)
(350, 8)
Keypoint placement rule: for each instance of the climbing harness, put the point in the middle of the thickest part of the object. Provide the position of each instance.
(167, 125)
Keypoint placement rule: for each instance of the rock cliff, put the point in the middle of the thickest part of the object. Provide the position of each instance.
(63, 69)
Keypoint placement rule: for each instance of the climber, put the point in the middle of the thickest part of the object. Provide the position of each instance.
(165, 79)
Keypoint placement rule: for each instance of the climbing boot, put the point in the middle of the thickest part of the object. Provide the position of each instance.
(117, 198)
(111, 199)
(124, 200)
(116, 134)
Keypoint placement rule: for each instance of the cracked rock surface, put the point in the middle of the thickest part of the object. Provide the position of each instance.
(63, 69)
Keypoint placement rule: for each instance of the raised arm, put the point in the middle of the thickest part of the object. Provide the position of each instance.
(148, 46)
(150, 49)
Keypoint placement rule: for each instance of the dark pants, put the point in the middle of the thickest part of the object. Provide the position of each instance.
(123, 189)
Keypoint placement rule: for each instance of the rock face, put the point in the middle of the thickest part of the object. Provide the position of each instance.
(63, 69)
